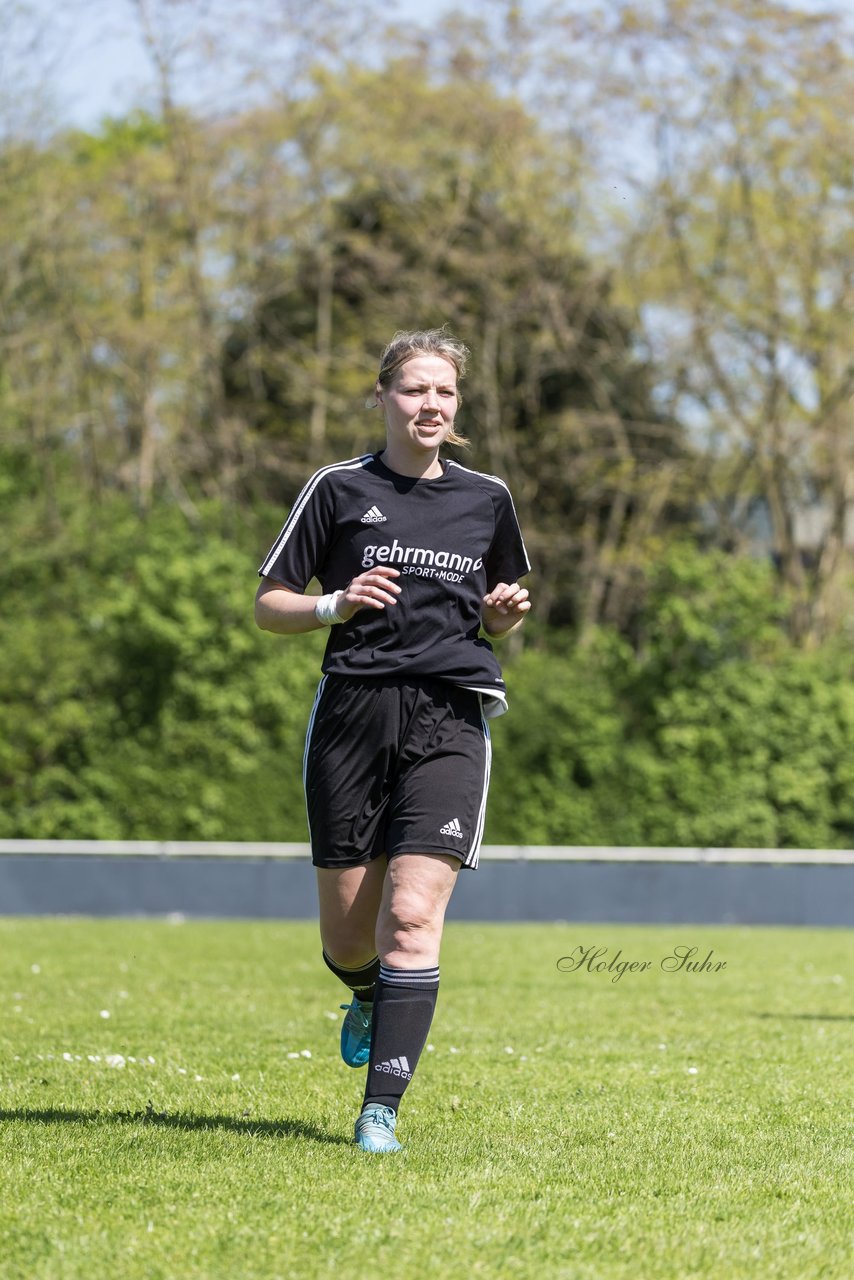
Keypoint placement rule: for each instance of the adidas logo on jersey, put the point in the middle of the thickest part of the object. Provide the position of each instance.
(373, 516)
(395, 1067)
(452, 828)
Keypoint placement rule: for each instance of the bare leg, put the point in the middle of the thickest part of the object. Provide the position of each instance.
(349, 900)
(409, 933)
(416, 891)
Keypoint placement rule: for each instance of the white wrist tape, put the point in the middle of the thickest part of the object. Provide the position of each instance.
(326, 609)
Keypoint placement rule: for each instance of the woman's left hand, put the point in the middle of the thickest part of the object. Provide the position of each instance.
(504, 607)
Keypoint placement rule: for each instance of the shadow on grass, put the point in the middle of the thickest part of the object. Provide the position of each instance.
(811, 1017)
(189, 1122)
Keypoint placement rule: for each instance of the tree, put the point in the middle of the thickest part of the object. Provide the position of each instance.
(743, 266)
(446, 204)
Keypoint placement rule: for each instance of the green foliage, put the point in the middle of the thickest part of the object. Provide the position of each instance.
(141, 702)
(468, 226)
(719, 733)
(191, 310)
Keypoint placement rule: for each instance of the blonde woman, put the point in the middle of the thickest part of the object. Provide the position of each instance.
(417, 558)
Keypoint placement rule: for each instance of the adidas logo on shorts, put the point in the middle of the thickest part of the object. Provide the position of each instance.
(373, 516)
(395, 1067)
(452, 828)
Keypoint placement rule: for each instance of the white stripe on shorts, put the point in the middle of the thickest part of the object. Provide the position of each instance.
(472, 857)
(308, 733)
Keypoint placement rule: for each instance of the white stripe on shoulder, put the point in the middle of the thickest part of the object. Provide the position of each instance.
(303, 498)
(481, 475)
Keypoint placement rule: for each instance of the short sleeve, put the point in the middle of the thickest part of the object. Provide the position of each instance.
(300, 550)
(507, 560)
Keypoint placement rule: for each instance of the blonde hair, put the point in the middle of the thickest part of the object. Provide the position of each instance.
(405, 345)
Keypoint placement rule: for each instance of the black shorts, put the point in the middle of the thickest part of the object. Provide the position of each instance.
(395, 766)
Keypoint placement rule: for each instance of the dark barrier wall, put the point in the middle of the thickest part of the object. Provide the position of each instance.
(602, 891)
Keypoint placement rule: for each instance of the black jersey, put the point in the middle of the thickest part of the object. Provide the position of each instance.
(452, 539)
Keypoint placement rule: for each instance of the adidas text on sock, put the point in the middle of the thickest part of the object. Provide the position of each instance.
(404, 1004)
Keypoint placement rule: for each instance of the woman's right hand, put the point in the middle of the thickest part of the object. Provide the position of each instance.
(373, 589)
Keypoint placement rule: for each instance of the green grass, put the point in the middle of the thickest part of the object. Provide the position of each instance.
(664, 1125)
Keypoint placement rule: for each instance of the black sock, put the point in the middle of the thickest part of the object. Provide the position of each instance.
(403, 1010)
(360, 981)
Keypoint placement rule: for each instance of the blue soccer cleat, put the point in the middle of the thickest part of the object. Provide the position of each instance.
(356, 1032)
(375, 1129)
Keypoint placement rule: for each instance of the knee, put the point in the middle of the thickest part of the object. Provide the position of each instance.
(353, 957)
(350, 949)
(408, 929)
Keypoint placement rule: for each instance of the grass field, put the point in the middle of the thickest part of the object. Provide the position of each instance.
(666, 1124)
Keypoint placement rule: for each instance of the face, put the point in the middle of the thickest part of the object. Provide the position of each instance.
(420, 403)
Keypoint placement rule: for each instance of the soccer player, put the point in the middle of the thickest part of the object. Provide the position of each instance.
(416, 557)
